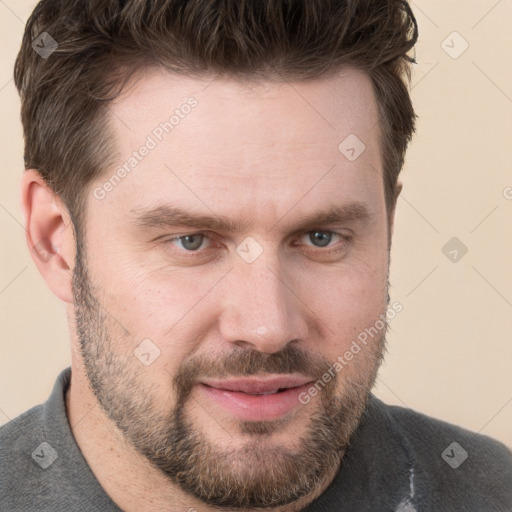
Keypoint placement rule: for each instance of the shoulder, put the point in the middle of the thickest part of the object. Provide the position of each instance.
(448, 460)
(13, 428)
(17, 435)
(429, 435)
(41, 466)
(19, 456)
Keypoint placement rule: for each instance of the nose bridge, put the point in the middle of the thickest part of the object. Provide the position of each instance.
(260, 310)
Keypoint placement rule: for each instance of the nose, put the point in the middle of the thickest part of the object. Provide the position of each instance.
(261, 308)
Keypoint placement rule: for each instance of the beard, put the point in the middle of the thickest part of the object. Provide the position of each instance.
(254, 472)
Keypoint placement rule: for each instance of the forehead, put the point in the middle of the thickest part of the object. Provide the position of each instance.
(224, 141)
(340, 104)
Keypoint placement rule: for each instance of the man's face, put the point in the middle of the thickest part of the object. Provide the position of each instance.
(166, 325)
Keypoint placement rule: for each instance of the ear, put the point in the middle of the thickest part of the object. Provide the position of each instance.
(49, 233)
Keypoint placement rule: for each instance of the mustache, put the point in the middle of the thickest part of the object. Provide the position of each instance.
(243, 362)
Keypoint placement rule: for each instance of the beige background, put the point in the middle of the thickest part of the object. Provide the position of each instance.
(450, 350)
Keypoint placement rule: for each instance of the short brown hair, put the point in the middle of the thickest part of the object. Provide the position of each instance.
(102, 43)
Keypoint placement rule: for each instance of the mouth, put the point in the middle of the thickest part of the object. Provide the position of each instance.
(256, 399)
(256, 385)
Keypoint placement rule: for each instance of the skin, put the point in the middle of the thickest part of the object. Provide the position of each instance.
(264, 153)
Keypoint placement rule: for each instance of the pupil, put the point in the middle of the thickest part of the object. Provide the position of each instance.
(193, 246)
(321, 237)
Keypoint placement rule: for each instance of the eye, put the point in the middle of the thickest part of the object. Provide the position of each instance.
(320, 238)
(195, 244)
(190, 242)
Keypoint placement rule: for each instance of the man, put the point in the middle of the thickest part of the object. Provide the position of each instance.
(210, 188)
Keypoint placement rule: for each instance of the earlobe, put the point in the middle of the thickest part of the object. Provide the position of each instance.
(49, 233)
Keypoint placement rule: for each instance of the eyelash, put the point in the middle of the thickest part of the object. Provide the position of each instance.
(343, 237)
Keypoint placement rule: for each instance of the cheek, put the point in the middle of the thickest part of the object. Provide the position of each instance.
(353, 329)
(166, 308)
(347, 302)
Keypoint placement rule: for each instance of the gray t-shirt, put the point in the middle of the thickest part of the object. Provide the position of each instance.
(398, 461)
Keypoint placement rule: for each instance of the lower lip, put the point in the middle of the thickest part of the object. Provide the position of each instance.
(256, 407)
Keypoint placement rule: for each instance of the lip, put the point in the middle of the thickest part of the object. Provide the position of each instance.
(258, 385)
(234, 396)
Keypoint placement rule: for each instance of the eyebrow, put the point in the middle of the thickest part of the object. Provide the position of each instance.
(166, 216)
